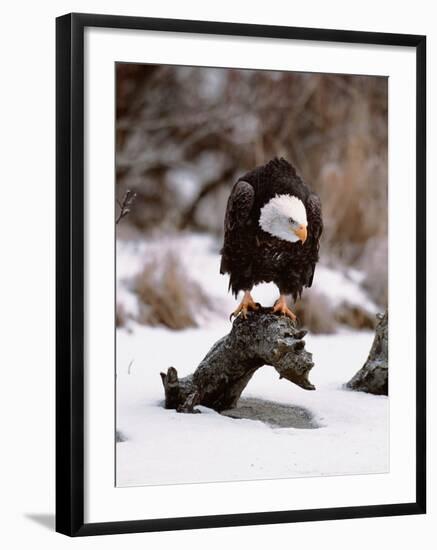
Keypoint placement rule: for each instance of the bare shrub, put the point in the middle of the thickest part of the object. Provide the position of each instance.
(352, 168)
(168, 296)
(355, 316)
(315, 312)
(209, 126)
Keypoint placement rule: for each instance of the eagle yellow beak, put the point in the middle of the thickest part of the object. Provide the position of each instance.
(301, 232)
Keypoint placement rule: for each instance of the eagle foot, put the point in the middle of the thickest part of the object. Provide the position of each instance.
(282, 308)
(247, 304)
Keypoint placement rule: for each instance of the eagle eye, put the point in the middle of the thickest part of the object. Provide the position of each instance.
(291, 220)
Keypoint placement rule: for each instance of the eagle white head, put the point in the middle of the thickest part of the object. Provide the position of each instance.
(285, 217)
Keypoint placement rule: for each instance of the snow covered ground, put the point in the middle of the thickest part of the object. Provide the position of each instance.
(161, 446)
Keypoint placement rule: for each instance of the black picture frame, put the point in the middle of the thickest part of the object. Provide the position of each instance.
(70, 273)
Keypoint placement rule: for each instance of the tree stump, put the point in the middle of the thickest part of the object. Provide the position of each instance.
(263, 338)
(373, 376)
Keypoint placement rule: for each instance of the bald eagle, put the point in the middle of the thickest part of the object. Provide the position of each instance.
(273, 225)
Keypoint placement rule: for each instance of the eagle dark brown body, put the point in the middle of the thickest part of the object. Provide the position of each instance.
(251, 255)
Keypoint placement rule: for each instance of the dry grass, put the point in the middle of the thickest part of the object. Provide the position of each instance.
(168, 296)
(354, 316)
(316, 313)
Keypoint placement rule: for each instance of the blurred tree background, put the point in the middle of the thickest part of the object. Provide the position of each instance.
(185, 134)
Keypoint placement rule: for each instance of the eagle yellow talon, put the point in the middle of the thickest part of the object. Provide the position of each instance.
(247, 304)
(281, 307)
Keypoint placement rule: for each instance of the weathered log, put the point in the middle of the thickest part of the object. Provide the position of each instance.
(263, 338)
(373, 375)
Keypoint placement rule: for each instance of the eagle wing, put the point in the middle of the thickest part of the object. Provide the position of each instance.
(315, 226)
(238, 236)
(239, 206)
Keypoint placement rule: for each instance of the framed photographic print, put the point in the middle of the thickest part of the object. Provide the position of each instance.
(240, 274)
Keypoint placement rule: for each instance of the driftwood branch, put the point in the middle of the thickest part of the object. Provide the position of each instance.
(262, 339)
(125, 205)
(373, 375)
